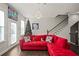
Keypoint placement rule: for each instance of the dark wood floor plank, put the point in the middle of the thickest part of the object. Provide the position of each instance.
(17, 52)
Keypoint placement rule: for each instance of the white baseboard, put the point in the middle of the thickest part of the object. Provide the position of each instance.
(7, 49)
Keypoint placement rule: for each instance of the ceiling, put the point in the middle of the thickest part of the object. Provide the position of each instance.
(45, 9)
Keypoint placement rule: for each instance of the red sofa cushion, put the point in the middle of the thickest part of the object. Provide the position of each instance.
(62, 52)
(55, 38)
(56, 51)
(21, 41)
(38, 43)
(61, 42)
(44, 37)
(67, 45)
(32, 37)
(36, 38)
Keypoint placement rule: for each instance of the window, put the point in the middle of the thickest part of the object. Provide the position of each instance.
(1, 26)
(22, 27)
(13, 33)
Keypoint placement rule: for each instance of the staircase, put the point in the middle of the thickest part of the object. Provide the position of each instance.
(60, 26)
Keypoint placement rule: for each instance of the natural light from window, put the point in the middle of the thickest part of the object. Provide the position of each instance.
(1, 26)
(13, 33)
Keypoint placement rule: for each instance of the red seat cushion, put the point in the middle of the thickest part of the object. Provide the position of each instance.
(63, 52)
(56, 51)
(38, 43)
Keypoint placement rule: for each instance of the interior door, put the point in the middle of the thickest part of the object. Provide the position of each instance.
(74, 33)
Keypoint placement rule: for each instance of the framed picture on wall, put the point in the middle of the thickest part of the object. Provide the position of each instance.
(35, 26)
(12, 13)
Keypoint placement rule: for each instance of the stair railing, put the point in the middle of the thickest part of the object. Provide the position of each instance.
(48, 31)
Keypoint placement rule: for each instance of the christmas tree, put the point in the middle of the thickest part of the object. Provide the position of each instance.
(28, 28)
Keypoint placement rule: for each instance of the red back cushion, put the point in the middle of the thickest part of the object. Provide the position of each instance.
(44, 37)
(32, 37)
(55, 38)
(36, 38)
(67, 46)
(61, 42)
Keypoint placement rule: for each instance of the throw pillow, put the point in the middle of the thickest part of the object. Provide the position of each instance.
(27, 38)
(49, 39)
(42, 40)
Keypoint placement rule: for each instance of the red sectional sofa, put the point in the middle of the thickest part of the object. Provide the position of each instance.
(35, 44)
(58, 47)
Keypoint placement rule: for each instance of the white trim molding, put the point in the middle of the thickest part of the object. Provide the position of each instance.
(7, 49)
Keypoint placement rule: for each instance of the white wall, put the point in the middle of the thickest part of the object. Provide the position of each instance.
(5, 45)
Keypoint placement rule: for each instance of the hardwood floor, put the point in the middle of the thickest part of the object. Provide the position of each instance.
(17, 52)
(75, 48)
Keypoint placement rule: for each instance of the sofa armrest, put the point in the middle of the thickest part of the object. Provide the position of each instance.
(21, 41)
(68, 46)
